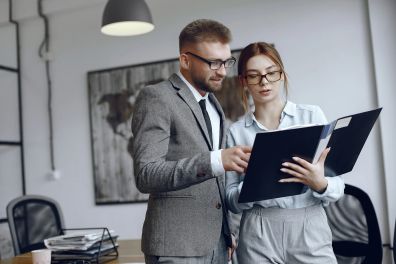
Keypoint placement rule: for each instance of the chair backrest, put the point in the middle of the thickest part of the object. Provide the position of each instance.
(33, 218)
(355, 229)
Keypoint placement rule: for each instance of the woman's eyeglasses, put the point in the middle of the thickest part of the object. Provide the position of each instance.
(256, 78)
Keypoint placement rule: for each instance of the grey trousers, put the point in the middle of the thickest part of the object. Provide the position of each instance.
(216, 256)
(274, 235)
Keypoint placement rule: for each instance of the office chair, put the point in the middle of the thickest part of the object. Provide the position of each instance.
(355, 229)
(33, 218)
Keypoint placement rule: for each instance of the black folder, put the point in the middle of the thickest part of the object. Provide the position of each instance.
(346, 137)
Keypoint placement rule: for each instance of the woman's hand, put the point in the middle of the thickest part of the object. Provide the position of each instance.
(307, 173)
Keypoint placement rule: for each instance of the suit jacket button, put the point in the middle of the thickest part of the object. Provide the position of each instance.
(218, 205)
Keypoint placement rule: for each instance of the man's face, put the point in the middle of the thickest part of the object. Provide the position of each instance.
(201, 76)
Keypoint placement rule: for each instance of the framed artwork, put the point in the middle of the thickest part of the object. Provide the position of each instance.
(112, 93)
(6, 246)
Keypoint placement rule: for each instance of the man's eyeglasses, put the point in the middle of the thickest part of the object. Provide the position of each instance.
(215, 64)
(256, 78)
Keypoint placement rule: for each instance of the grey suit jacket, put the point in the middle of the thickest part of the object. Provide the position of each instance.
(171, 153)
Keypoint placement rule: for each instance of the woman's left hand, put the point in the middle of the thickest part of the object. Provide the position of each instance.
(307, 173)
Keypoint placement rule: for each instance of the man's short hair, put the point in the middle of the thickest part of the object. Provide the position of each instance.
(204, 30)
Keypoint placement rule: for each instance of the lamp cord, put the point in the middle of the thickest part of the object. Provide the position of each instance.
(44, 54)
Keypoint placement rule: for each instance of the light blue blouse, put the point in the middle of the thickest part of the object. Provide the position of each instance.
(244, 131)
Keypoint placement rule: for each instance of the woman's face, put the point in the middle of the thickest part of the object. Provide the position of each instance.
(263, 79)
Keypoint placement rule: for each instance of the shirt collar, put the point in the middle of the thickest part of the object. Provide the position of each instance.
(249, 119)
(194, 91)
(289, 109)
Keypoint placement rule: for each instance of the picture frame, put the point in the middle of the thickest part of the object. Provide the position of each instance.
(6, 246)
(111, 94)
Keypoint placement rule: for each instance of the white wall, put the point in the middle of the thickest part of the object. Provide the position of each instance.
(327, 48)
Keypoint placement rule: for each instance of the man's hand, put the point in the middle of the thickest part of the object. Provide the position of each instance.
(236, 158)
(231, 250)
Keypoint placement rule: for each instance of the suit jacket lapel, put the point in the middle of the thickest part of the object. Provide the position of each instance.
(185, 93)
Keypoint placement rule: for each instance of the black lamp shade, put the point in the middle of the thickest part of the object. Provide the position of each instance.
(126, 18)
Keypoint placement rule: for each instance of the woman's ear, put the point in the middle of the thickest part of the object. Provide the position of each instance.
(184, 62)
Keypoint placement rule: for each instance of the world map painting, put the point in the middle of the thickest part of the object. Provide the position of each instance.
(112, 93)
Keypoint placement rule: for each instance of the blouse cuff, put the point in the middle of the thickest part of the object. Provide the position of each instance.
(330, 189)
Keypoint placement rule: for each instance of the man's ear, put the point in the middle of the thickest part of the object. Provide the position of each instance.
(184, 62)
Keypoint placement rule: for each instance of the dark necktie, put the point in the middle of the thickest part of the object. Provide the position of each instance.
(207, 119)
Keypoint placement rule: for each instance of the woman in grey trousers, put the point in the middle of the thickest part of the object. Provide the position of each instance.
(290, 229)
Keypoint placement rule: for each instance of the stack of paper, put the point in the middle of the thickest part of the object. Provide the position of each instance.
(78, 240)
(83, 245)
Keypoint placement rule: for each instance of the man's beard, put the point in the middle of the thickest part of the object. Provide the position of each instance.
(204, 86)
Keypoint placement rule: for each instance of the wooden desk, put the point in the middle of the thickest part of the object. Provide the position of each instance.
(128, 251)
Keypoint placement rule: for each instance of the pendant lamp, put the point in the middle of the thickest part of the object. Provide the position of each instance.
(126, 18)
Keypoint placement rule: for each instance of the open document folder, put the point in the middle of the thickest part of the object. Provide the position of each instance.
(346, 137)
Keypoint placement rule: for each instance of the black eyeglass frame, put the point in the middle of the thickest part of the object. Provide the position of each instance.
(264, 76)
(211, 62)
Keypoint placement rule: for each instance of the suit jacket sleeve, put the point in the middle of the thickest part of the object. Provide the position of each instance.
(151, 128)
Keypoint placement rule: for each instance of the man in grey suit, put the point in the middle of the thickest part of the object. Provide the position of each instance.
(177, 152)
